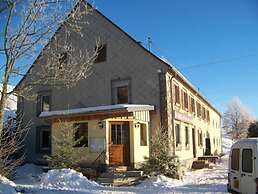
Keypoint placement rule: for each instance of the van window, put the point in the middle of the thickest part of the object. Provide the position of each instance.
(235, 159)
(247, 162)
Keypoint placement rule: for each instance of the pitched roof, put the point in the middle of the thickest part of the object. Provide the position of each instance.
(170, 67)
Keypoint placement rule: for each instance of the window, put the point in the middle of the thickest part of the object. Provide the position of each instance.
(143, 135)
(192, 102)
(185, 101)
(45, 139)
(203, 113)
(43, 134)
(200, 138)
(43, 102)
(102, 53)
(182, 99)
(235, 159)
(20, 108)
(177, 134)
(116, 133)
(208, 115)
(121, 93)
(198, 109)
(177, 94)
(186, 136)
(81, 134)
(62, 59)
(247, 160)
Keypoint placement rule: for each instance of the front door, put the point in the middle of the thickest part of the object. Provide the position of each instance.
(194, 143)
(247, 176)
(119, 149)
(207, 146)
(234, 169)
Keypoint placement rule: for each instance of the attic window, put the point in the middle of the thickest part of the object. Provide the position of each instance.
(62, 59)
(102, 53)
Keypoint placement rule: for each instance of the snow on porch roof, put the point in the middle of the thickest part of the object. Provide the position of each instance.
(97, 109)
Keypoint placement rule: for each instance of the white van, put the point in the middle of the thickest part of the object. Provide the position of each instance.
(243, 167)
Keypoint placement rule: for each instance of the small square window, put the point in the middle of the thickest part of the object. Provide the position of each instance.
(43, 102)
(62, 58)
(102, 53)
(81, 134)
(122, 95)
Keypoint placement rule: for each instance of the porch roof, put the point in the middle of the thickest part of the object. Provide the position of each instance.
(98, 109)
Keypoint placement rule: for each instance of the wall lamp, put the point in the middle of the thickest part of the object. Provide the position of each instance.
(100, 124)
(137, 124)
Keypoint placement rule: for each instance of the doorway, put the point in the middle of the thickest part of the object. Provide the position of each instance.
(207, 146)
(119, 147)
(194, 142)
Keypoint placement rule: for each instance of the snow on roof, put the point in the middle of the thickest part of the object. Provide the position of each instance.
(116, 107)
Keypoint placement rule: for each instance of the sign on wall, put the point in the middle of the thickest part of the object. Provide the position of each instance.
(183, 117)
(97, 144)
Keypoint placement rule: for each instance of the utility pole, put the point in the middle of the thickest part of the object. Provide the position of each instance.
(149, 43)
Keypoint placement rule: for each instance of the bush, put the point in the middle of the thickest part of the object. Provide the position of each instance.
(161, 161)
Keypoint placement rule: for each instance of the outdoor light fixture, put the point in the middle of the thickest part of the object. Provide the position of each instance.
(137, 125)
(100, 124)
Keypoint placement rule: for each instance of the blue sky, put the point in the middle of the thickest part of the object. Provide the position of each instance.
(214, 43)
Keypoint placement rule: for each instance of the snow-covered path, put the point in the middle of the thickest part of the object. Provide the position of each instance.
(199, 181)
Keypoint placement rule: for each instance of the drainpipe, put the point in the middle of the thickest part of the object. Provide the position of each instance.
(173, 116)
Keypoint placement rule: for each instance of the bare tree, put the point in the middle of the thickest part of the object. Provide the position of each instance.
(11, 144)
(237, 118)
(26, 28)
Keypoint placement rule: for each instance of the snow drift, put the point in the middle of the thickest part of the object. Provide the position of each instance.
(28, 174)
(66, 179)
(6, 186)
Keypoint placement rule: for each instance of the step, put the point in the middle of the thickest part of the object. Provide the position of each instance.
(126, 181)
(199, 164)
(132, 173)
(117, 169)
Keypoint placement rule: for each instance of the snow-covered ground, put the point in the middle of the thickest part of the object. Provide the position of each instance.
(30, 179)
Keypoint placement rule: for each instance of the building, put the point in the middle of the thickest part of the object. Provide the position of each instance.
(129, 95)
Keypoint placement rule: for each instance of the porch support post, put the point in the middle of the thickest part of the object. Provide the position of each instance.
(107, 141)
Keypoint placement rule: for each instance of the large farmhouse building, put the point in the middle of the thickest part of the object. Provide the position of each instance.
(130, 94)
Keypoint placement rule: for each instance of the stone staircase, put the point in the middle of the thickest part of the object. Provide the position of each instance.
(204, 162)
(121, 176)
